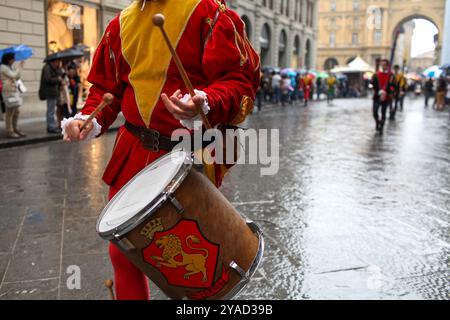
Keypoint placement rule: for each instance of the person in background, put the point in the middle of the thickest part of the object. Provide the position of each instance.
(49, 90)
(63, 101)
(286, 89)
(11, 95)
(429, 90)
(2, 103)
(384, 89)
(261, 92)
(318, 87)
(400, 91)
(269, 92)
(74, 88)
(447, 97)
(441, 92)
(276, 87)
(331, 84)
(306, 85)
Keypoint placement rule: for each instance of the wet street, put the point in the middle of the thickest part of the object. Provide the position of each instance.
(350, 214)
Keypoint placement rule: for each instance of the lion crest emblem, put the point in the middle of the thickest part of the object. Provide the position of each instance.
(184, 256)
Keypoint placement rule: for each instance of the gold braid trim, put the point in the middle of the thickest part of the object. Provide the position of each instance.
(245, 109)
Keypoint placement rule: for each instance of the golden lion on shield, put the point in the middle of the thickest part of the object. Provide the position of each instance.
(193, 263)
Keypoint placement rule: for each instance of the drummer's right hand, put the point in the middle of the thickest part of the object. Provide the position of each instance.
(73, 131)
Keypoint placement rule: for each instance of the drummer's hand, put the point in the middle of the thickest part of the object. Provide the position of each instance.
(72, 131)
(182, 110)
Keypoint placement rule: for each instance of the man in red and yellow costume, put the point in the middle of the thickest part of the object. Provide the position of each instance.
(134, 64)
(306, 86)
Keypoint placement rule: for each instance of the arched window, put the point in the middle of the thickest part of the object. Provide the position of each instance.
(248, 26)
(330, 63)
(296, 57)
(282, 48)
(308, 54)
(265, 44)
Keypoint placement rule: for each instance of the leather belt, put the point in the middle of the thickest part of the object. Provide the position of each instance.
(151, 139)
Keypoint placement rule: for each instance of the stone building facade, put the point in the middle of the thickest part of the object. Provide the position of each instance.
(284, 31)
(348, 28)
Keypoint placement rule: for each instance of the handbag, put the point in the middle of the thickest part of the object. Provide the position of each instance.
(13, 100)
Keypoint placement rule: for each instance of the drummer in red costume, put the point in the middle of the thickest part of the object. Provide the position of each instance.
(305, 85)
(133, 63)
(383, 92)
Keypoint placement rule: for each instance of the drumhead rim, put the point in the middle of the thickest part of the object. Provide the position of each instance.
(122, 229)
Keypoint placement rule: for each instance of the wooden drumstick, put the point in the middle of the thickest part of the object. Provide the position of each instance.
(110, 285)
(158, 20)
(108, 98)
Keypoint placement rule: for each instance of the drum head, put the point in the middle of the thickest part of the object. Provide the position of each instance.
(143, 194)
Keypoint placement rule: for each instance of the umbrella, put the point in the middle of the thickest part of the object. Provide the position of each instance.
(21, 52)
(341, 76)
(287, 70)
(413, 76)
(68, 54)
(322, 75)
(446, 66)
(368, 75)
(432, 72)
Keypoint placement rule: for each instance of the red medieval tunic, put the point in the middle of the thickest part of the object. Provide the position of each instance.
(134, 64)
(305, 85)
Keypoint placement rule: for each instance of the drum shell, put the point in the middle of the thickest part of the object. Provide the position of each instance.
(218, 222)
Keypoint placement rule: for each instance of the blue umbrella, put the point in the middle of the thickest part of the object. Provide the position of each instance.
(21, 52)
(432, 72)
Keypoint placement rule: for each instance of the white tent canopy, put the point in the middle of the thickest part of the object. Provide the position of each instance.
(358, 65)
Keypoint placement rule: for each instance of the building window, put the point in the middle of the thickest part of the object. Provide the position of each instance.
(332, 39)
(333, 6)
(296, 57)
(355, 5)
(354, 38)
(377, 36)
(265, 44)
(330, 63)
(71, 25)
(248, 26)
(356, 22)
(333, 22)
(282, 46)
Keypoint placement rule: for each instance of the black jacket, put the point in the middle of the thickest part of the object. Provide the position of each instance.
(50, 82)
(376, 87)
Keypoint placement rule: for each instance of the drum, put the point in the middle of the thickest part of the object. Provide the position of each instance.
(177, 227)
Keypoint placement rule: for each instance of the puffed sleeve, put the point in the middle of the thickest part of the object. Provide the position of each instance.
(105, 77)
(232, 69)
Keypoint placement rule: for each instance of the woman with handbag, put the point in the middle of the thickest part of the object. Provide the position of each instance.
(11, 94)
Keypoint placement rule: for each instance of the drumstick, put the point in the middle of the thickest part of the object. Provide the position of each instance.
(158, 20)
(109, 284)
(108, 98)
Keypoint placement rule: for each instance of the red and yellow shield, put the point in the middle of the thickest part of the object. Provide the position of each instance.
(183, 255)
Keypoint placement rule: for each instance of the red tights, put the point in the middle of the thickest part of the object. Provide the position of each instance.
(130, 282)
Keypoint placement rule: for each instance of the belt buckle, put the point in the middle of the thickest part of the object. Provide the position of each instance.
(150, 139)
(156, 136)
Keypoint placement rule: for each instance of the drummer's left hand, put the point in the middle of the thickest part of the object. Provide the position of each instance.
(182, 110)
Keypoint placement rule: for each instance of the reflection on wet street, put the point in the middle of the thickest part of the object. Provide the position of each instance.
(350, 214)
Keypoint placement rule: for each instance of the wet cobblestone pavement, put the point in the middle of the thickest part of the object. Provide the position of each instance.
(350, 215)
